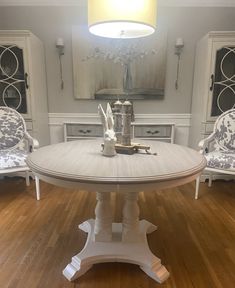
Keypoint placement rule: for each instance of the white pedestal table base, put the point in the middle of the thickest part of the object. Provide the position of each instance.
(117, 250)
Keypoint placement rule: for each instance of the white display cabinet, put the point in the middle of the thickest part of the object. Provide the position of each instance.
(214, 82)
(23, 80)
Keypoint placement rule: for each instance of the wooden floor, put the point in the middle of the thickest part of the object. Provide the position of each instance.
(195, 239)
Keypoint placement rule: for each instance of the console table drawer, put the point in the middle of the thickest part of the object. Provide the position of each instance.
(153, 131)
(83, 130)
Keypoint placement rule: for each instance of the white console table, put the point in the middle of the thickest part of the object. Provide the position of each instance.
(161, 131)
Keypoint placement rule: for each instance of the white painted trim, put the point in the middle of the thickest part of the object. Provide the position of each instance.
(163, 116)
(182, 120)
(72, 115)
(167, 3)
(138, 116)
(15, 33)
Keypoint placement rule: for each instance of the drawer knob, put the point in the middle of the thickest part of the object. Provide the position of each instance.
(152, 132)
(84, 131)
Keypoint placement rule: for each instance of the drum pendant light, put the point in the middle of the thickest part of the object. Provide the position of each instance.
(122, 18)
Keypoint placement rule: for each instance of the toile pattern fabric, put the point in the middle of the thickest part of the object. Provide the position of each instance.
(12, 129)
(225, 131)
(12, 158)
(223, 160)
(13, 145)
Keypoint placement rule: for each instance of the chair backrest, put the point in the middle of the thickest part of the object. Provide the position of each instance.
(224, 130)
(12, 128)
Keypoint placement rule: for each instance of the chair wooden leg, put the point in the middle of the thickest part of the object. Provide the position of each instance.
(197, 187)
(27, 178)
(210, 179)
(37, 188)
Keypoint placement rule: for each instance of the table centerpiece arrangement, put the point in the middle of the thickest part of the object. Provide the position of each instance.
(117, 130)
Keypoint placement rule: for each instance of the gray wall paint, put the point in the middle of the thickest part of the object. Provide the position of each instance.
(49, 23)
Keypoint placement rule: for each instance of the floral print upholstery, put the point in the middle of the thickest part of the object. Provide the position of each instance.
(12, 158)
(12, 128)
(223, 157)
(13, 145)
(223, 160)
(225, 131)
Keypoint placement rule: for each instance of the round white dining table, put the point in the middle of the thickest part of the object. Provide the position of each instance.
(80, 164)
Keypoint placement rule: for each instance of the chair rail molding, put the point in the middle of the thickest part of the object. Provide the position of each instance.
(182, 123)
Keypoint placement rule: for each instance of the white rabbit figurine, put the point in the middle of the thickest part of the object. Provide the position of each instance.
(109, 134)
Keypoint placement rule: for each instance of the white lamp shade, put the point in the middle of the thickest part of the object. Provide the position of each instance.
(179, 43)
(122, 18)
(60, 42)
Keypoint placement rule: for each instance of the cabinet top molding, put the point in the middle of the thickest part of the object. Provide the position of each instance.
(221, 34)
(10, 33)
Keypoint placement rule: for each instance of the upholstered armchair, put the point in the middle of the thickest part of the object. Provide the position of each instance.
(15, 145)
(219, 148)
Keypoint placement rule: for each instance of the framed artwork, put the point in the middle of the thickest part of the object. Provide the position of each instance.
(106, 68)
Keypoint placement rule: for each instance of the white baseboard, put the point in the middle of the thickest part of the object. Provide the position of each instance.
(182, 122)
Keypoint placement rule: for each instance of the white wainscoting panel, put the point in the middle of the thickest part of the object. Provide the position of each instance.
(182, 122)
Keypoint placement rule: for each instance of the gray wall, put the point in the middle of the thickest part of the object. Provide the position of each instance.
(49, 23)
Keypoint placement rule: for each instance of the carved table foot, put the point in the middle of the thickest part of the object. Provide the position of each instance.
(116, 250)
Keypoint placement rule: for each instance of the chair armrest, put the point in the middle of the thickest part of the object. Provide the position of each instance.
(204, 143)
(33, 143)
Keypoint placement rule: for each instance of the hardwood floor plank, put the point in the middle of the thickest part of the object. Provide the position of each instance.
(195, 239)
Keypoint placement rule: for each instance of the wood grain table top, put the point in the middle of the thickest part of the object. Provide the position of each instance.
(82, 161)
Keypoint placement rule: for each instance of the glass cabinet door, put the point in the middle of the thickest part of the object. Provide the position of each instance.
(223, 81)
(13, 79)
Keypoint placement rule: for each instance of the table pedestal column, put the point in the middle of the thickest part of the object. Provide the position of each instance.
(130, 221)
(103, 219)
(128, 242)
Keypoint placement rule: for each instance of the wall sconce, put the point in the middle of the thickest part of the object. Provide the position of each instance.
(179, 44)
(60, 49)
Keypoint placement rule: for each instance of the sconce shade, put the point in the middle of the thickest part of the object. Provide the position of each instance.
(122, 18)
(179, 43)
(60, 42)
